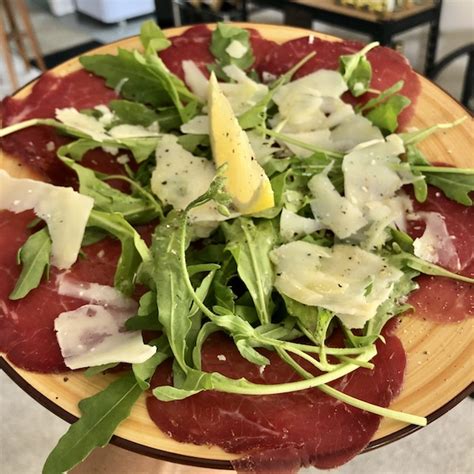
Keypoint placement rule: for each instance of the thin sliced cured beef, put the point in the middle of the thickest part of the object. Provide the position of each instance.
(194, 45)
(388, 66)
(27, 325)
(35, 147)
(443, 299)
(301, 428)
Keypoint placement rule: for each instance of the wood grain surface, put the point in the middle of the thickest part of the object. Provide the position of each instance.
(440, 362)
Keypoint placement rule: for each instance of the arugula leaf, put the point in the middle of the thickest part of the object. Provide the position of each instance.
(34, 255)
(356, 70)
(458, 187)
(385, 115)
(172, 297)
(381, 97)
(134, 249)
(101, 414)
(456, 183)
(148, 80)
(403, 240)
(147, 315)
(137, 209)
(135, 113)
(99, 369)
(416, 157)
(415, 263)
(145, 370)
(250, 245)
(222, 37)
(313, 320)
(152, 38)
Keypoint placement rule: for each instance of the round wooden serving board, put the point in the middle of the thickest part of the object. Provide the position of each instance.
(440, 363)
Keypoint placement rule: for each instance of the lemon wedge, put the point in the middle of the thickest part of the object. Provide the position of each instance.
(247, 183)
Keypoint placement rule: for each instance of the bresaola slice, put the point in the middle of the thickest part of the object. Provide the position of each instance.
(194, 44)
(27, 334)
(442, 299)
(35, 147)
(300, 428)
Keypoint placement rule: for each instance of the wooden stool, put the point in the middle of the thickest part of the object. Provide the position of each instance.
(11, 10)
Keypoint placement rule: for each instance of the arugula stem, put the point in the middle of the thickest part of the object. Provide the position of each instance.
(27, 123)
(249, 388)
(442, 169)
(294, 141)
(355, 402)
(313, 361)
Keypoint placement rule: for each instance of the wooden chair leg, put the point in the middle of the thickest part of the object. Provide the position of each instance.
(30, 32)
(16, 33)
(5, 50)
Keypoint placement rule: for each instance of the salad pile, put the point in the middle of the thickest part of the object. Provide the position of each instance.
(278, 215)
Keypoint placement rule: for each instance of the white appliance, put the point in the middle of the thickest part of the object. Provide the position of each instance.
(115, 11)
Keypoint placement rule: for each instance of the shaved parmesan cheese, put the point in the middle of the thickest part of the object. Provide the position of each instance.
(94, 335)
(198, 125)
(262, 146)
(325, 83)
(336, 279)
(65, 212)
(83, 123)
(317, 138)
(352, 131)
(236, 49)
(179, 177)
(131, 131)
(195, 79)
(293, 226)
(436, 245)
(107, 115)
(333, 210)
(94, 293)
(244, 93)
(370, 172)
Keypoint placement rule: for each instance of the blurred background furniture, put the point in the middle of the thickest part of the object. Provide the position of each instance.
(381, 20)
(467, 98)
(113, 11)
(11, 12)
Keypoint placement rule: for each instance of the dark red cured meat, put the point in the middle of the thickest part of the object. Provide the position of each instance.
(79, 89)
(27, 326)
(301, 428)
(194, 44)
(443, 299)
(388, 66)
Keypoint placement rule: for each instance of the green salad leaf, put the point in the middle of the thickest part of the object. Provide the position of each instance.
(226, 37)
(357, 70)
(34, 255)
(136, 209)
(134, 249)
(152, 38)
(101, 414)
(385, 115)
(250, 245)
(135, 113)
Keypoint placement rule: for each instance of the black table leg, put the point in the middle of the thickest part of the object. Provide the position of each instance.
(297, 16)
(432, 45)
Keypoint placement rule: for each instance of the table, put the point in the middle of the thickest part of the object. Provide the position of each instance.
(382, 27)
